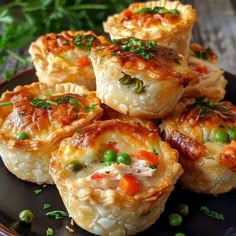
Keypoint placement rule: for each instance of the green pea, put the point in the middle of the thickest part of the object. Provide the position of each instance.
(126, 79)
(183, 209)
(109, 155)
(26, 216)
(138, 86)
(74, 165)
(123, 158)
(180, 234)
(221, 136)
(231, 133)
(175, 219)
(22, 136)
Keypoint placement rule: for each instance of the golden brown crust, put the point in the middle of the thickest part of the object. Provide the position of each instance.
(133, 76)
(46, 114)
(170, 30)
(191, 128)
(95, 189)
(57, 57)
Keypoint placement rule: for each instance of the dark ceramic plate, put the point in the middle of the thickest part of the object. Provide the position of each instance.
(17, 195)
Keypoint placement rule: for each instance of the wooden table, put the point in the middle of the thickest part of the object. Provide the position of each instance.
(215, 28)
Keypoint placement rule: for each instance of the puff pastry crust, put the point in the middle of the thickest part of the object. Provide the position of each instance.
(109, 114)
(209, 81)
(64, 57)
(93, 195)
(133, 77)
(209, 165)
(44, 115)
(167, 22)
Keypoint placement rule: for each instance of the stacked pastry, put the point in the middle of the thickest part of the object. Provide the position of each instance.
(103, 149)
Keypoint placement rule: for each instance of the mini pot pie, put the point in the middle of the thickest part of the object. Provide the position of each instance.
(35, 118)
(114, 176)
(209, 81)
(169, 23)
(139, 78)
(64, 57)
(204, 133)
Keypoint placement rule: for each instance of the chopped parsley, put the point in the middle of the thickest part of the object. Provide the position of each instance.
(136, 46)
(3, 104)
(46, 206)
(38, 102)
(90, 108)
(57, 214)
(49, 231)
(154, 150)
(157, 10)
(84, 41)
(206, 106)
(213, 214)
(37, 191)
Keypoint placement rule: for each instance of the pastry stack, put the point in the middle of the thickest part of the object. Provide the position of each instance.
(115, 123)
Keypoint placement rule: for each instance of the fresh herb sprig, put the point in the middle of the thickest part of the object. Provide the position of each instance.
(23, 21)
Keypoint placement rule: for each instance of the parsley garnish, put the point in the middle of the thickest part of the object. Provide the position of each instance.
(207, 106)
(157, 10)
(49, 231)
(205, 210)
(3, 104)
(46, 206)
(38, 102)
(90, 108)
(57, 214)
(136, 46)
(84, 41)
(37, 191)
(154, 150)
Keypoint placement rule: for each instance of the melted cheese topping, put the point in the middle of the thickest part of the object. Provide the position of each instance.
(139, 56)
(41, 116)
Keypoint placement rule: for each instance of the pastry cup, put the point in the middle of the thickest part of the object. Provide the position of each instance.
(209, 81)
(64, 57)
(145, 84)
(93, 196)
(35, 119)
(169, 30)
(209, 165)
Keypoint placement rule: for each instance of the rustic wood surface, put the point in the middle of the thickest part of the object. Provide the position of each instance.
(215, 28)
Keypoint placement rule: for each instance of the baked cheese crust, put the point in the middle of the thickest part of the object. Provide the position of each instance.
(139, 78)
(94, 191)
(35, 119)
(167, 22)
(193, 128)
(64, 57)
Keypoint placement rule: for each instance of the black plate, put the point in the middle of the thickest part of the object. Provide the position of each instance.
(17, 195)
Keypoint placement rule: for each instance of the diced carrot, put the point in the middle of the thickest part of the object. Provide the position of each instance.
(126, 13)
(98, 175)
(230, 147)
(129, 184)
(150, 157)
(83, 61)
(202, 69)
